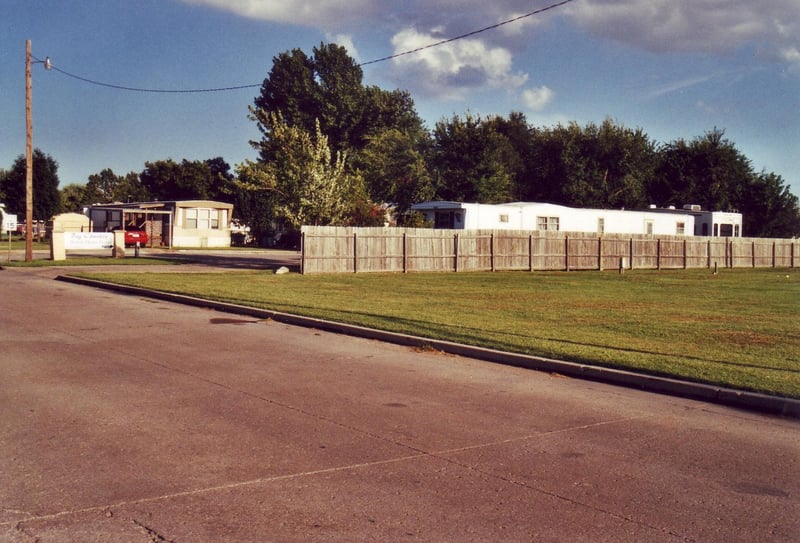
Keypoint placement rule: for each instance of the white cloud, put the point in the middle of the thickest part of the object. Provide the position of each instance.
(450, 69)
(537, 99)
(791, 55)
(323, 14)
(701, 26)
(704, 26)
(346, 41)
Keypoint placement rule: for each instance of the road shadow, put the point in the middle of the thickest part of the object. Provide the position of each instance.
(259, 261)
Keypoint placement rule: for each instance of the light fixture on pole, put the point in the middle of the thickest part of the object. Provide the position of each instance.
(29, 151)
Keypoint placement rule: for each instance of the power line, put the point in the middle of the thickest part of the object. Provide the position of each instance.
(254, 85)
(468, 34)
(137, 89)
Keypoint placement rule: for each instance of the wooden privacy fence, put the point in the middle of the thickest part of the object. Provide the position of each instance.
(330, 249)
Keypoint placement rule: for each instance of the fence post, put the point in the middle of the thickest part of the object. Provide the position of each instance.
(530, 252)
(658, 254)
(355, 252)
(600, 253)
(729, 252)
(708, 253)
(405, 251)
(455, 258)
(302, 253)
(685, 255)
(631, 253)
(774, 252)
(491, 250)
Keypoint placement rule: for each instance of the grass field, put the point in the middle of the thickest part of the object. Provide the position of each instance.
(739, 328)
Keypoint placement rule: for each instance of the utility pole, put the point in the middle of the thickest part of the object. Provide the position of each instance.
(28, 157)
(29, 151)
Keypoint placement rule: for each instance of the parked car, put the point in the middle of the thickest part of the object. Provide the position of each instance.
(134, 236)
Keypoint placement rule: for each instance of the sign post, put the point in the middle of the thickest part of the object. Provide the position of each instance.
(9, 225)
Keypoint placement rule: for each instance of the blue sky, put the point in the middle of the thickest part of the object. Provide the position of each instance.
(675, 68)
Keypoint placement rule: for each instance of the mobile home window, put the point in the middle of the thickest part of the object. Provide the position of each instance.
(202, 219)
(601, 225)
(444, 219)
(648, 227)
(191, 218)
(547, 223)
(680, 228)
(504, 218)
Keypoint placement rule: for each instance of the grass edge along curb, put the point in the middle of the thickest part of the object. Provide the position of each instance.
(755, 401)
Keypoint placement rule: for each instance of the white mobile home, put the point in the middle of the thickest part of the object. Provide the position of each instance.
(183, 223)
(551, 217)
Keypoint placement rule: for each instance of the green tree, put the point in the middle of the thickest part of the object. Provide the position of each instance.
(709, 171)
(395, 170)
(101, 187)
(768, 208)
(46, 196)
(130, 189)
(220, 186)
(391, 110)
(3, 175)
(73, 197)
(307, 182)
(108, 187)
(187, 180)
(472, 161)
(516, 130)
(600, 166)
(325, 87)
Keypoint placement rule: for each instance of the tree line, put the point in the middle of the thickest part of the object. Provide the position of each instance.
(335, 151)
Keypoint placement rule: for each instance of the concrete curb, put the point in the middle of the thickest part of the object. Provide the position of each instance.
(697, 391)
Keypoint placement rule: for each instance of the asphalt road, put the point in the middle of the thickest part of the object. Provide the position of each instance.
(129, 419)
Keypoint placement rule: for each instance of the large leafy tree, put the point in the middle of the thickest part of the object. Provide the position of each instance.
(101, 188)
(73, 197)
(3, 174)
(305, 182)
(606, 165)
(391, 110)
(518, 133)
(395, 170)
(325, 87)
(106, 187)
(709, 171)
(473, 161)
(46, 196)
(187, 180)
(768, 208)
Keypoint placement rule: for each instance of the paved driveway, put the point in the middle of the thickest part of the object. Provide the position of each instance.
(127, 419)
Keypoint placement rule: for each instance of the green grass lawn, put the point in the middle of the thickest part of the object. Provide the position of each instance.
(739, 328)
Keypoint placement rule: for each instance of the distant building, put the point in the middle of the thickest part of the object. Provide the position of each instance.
(182, 223)
(690, 220)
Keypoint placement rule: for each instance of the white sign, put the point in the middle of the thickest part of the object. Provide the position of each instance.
(88, 240)
(9, 222)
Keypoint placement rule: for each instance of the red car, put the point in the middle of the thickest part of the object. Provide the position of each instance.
(134, 236)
